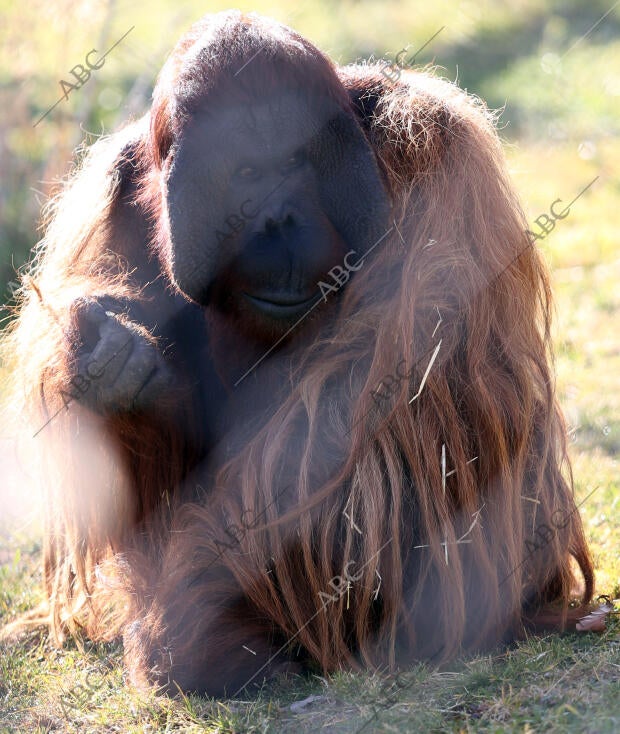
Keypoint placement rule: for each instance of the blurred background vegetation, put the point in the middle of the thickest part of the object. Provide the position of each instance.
(556, 76)
(552, 66)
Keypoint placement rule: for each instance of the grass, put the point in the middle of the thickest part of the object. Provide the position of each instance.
(554, 684)
(551, 684)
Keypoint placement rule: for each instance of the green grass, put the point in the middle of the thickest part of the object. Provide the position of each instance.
(551, 684)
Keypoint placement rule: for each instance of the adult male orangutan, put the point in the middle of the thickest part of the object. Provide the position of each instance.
(286, 349)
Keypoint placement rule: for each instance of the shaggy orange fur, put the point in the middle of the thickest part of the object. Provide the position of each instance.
(427, 504)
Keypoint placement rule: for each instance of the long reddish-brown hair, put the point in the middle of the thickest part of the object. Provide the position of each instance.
(347, 469)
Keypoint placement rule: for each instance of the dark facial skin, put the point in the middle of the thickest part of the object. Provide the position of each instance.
(260, 203)
(249, 234)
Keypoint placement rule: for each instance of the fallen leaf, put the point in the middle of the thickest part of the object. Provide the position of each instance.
(596, 620)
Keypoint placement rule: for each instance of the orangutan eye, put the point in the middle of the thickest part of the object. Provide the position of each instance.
(295, 161)
(248, 172)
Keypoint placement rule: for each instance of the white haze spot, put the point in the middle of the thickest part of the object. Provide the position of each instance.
(84, 467)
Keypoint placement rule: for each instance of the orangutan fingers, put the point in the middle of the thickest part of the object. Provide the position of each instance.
(135, 372)
(89, 315)
(156, 386)
(111, 375)
(108, 358)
